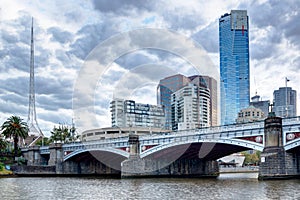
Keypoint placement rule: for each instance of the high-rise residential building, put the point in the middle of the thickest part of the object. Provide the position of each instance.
(165, 88)
(234, 64)
(211, 84)
(262, 105)
(190, 107)
(128, 113)
(285, 102)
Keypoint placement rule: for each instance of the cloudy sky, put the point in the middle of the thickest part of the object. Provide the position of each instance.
(88, 52)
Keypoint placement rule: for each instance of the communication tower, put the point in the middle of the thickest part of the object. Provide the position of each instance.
(35, 132)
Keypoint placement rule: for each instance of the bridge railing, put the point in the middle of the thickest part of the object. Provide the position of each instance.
(111, 142)
(44, 150)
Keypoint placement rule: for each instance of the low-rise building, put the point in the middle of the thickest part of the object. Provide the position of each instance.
(250, 114)
(128, 113)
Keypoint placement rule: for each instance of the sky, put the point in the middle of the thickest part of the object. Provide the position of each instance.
(88, 52)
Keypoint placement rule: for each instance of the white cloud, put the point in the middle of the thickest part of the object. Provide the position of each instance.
(67, 31)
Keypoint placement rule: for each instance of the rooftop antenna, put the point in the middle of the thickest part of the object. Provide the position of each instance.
(34, 130)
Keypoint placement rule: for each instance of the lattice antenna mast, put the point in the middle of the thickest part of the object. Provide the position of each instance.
(32, 122)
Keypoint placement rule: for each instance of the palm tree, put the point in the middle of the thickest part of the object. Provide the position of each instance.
(15, 128)
(63, 134)
(3, 143)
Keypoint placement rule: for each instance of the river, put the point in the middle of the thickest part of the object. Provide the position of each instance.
(226, 186)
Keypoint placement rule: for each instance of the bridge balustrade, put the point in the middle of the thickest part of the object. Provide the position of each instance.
(194, 135)
(44, 150)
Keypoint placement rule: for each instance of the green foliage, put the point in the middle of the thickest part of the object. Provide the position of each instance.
(1, 166)
(44, 141)
(3, 144)
(21, 161)
(251, 159)
(14, 127)
(63, 134)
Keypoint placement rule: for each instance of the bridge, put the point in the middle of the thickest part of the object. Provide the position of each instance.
(168, 153)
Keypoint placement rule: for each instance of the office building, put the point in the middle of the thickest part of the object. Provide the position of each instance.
(165, 88)
(211, 84)
(262, 105)
(250, 114)
(285, 102)
(128, 113)
(234, 64)
(190, 107)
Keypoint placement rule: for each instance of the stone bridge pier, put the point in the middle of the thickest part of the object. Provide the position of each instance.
(135, 166)
(276, 163)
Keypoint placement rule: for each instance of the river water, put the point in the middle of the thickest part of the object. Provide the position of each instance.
(226, 186)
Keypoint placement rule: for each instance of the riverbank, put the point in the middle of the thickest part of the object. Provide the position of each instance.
(5, 173)
(250, 169)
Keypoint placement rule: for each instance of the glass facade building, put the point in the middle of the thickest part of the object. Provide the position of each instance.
(285, 102)
(165, 89)
(128, 113)
(234, 64)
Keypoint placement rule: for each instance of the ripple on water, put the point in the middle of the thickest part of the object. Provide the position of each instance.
(224, 187)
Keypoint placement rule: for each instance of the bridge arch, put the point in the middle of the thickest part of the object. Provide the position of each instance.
(292, 144)
(113, 151)
(204, 146)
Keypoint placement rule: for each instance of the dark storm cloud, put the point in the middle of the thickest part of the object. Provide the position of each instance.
(59, 35)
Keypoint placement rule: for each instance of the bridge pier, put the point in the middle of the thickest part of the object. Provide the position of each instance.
(56, 157)
(32, 155)
(276, 163)
(135, 166)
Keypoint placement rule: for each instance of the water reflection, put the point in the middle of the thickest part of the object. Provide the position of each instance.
(227, 186)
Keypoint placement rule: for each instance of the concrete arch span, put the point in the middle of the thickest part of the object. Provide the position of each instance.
(207, 149)
(109, 157)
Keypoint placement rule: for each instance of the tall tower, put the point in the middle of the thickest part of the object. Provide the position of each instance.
(285, 102)
(165, 89)
(234, 64)
(34, 130)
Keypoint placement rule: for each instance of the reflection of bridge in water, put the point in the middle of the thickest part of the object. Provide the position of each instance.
(189, 152)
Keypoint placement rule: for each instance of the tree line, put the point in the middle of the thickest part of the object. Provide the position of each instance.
(15, 130)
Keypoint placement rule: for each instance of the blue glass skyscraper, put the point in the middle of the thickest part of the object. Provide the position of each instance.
(234, 64)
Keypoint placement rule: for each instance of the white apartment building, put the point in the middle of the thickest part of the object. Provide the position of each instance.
(128, 113)
(190, 107)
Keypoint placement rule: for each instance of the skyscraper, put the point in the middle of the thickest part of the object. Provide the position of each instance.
(165, 88)
(191, 107)
(211, 84)
(285, 102)
(234, 64)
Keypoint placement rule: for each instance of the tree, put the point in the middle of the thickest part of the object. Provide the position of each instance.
(63, 134)
(251, 159)
(45, 141)
(3, 143)
(15, 128)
